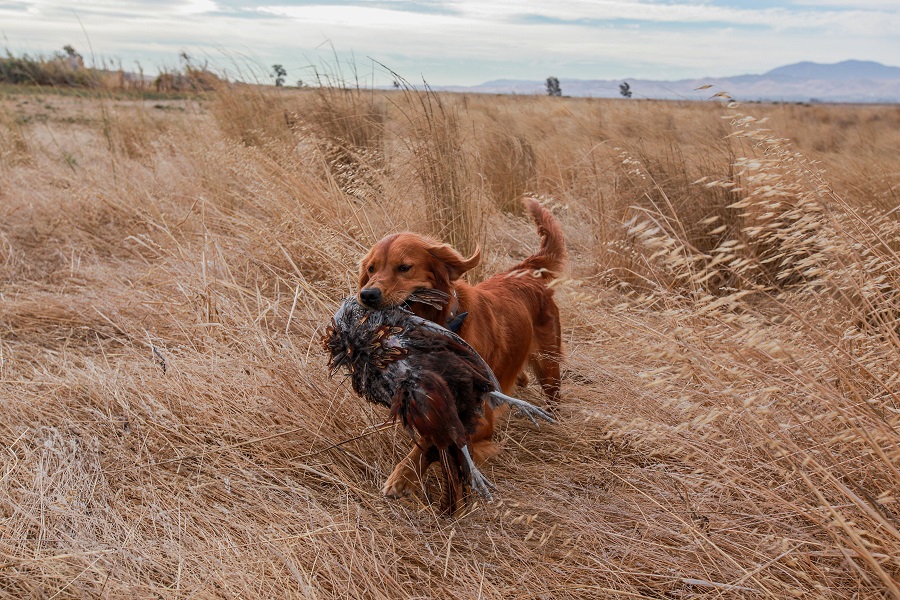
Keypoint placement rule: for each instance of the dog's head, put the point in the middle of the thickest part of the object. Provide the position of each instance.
(400, 264)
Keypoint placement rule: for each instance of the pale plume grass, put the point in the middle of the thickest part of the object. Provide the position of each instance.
(252, 115)
(169, 429)
(347, 124)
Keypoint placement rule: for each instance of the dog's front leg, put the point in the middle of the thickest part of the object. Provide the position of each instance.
(407, 475)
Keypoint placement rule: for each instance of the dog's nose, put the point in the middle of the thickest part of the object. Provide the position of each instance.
(370, 297)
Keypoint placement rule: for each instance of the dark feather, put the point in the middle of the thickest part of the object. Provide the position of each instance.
(432, 297)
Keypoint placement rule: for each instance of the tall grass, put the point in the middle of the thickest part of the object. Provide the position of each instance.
(730, 418)
(436, 142)
(805, 260)
(68, 71)
(47, 71)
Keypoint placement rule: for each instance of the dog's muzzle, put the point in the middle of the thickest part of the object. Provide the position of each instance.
(371, 297)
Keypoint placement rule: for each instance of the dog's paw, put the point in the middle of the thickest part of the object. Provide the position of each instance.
(402, 482)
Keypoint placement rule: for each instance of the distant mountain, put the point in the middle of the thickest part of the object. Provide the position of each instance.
(847, 81)
(842, 71)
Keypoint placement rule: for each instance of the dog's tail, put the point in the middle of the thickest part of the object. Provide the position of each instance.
(550, 259)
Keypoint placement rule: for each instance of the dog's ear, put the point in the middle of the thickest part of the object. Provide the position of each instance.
(453, 261)
(363, 272)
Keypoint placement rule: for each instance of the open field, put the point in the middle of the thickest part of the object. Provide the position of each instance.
(730, 424)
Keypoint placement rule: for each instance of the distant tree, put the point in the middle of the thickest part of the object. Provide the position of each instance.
(396, 84)
(72, 57)
(279, 73)
(553, 88)
(625, 89)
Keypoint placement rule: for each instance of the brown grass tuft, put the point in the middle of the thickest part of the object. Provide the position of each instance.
(509, 166)
(13, 142)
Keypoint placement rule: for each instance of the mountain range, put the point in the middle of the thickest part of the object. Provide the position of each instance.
(848, 81)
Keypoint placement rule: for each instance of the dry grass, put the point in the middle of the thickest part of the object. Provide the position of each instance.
(731, 420)
(13, 142)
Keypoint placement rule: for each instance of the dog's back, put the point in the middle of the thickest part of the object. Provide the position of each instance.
(513, 319)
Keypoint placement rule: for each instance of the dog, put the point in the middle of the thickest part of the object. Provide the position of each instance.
(511, 321)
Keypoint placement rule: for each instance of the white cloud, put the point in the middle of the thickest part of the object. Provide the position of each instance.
(362, 17)
(683, 13)
(196, 7)
(887, 5)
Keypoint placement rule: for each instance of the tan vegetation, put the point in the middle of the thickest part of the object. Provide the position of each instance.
(67, 70)
(730, 424)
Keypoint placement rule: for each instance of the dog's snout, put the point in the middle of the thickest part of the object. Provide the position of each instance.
(370, 296)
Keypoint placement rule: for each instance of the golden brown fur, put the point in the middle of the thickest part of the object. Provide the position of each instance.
(512, 319)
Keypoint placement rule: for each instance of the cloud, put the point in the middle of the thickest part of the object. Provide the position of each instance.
(886, 5)
(469, 41)
(600, 12)
(14, 6)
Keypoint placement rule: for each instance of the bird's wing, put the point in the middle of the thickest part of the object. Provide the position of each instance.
(463, 348)
(497, 397)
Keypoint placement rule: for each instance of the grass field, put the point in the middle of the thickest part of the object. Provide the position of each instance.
(730, 424)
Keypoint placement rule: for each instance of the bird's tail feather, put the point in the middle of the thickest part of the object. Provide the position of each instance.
(452, 468)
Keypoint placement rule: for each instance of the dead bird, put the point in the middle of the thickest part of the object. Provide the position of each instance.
(428, 376)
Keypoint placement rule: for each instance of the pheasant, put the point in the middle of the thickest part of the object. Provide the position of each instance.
(428, 376)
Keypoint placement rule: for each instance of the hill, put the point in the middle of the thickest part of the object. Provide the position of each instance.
(848, 81)
(848, 70)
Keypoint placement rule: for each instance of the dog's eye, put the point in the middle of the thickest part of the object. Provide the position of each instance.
(404, 268)
(371, 268)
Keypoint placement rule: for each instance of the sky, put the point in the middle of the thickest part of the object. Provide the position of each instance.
(459, 42)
